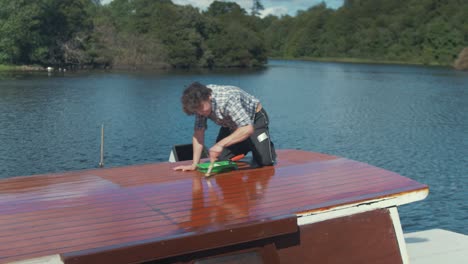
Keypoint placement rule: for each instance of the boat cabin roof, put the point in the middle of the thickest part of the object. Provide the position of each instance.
(154, 212)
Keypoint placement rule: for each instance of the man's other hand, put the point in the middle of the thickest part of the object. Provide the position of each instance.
(186, 167)
(215, 151)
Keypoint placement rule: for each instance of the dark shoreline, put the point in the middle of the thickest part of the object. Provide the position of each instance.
(29, 68)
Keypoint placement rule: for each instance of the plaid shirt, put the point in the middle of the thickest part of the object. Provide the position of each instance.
(231, 107)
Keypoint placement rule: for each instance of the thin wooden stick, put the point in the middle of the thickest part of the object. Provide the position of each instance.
(101, 162)
(210, 168)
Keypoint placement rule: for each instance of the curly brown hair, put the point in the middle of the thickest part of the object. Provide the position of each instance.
(192, 97)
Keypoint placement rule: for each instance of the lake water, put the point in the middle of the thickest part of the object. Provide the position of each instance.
(408, 119)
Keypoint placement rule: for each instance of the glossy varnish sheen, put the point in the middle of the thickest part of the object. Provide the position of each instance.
(114, 207)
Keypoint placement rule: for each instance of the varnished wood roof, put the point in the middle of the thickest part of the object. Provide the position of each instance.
(113, 207)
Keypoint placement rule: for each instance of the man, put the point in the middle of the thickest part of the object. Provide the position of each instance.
(244, 123)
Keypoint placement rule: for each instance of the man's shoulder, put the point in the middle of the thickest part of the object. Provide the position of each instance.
(222, 87)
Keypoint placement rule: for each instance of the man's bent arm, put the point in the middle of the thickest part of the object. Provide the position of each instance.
(198, 142)
(240, 134)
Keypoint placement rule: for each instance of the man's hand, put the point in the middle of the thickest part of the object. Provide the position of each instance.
(186, 167)
(215, 151)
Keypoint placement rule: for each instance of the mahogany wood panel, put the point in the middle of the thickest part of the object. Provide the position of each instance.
(357, 239)
(114, 207)
(157, 248)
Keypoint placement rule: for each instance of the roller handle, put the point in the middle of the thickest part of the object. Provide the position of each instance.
(238, 157)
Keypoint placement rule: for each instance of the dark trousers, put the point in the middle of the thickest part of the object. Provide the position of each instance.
(263, 149)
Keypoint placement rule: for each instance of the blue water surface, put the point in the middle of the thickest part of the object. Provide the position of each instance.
(409, 119)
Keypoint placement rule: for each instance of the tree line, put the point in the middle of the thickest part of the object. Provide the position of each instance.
(411, 31)
(160, 34)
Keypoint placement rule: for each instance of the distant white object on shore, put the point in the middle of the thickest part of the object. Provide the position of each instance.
(50, 69)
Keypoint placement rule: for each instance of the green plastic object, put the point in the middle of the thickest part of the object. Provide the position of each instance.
(218, 166)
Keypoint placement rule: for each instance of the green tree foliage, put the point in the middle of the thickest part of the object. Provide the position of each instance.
(227, 9)
(180, 36)
(159, 33)
(257, 6)
(15, 28)
(415, 31)
(44, 31)
(461, 63)
(233, 39)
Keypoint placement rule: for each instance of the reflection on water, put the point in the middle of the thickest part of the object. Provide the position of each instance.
(408, 119)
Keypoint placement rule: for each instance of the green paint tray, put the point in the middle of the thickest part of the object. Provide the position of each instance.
(218, 166)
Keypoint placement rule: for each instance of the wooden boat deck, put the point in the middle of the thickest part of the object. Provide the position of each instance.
(150, 210)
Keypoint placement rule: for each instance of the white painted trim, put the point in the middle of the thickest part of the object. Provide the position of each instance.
(172, 157)
(356, 208)
(399, 234)
(52, 259)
